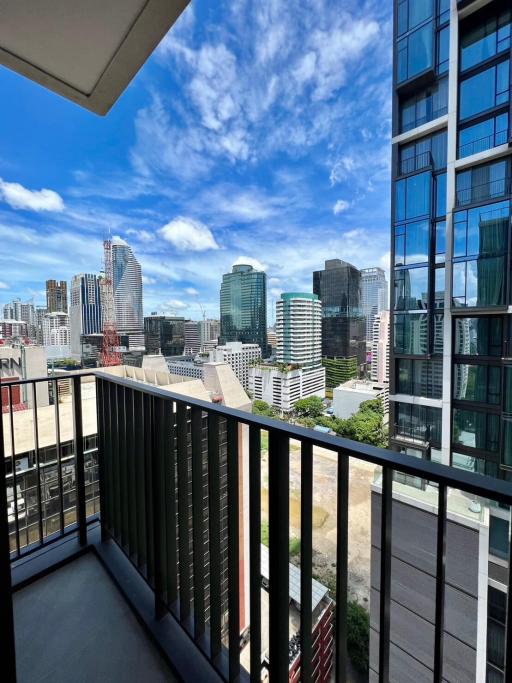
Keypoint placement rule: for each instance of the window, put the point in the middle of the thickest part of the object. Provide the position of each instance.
(411, 333)
(476, 429)
(411, 13)
(438, 341)
(440, 231)
(411, 243)
(498, 546)
(479, 283)
(478, 336)
(439, 287)
(424, 106)
(414, 53)
(440, 185)
(411, 289)
(506, 452)
(482, 42)
(443, 11)
(483, 135)
(422, 153)
(412, 197)
(443, 50)
(477, 383)
(419, 377)
(484, 91)
(418, 422)
(481, 231)
(481, 183)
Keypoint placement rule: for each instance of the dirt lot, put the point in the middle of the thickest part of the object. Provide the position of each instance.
(324, 516)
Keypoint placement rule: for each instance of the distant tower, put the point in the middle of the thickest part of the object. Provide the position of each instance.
(110, 354)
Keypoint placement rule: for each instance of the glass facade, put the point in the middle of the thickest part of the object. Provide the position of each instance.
(417, 422)
(486, 39)
(419, 377)
(165, 335)
(243, 307)
(424, 106)
(485, 90)
(338, 287)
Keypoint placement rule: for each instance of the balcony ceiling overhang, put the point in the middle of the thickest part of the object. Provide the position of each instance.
(85, 50)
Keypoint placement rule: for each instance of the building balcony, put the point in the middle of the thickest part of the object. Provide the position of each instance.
(477, 194)
(419, 162)
(132, 541)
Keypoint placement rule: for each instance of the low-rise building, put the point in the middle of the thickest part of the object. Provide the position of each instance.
(347, 398)
(239, 356)
(282, 386)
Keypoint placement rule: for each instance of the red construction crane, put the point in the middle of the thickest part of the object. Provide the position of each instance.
(110, 354)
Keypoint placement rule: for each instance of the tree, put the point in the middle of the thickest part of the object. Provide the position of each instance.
(307, 422)
(358, 635)
(373, 405)
(263, 408)
(309, 407)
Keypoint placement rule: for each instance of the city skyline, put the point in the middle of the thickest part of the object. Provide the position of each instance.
(289, 204)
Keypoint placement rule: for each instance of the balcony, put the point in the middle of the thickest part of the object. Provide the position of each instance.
(494, 189)
(419, 162)
(132, 541)
(483, 144)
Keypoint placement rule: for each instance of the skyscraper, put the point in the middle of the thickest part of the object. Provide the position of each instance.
(243, 307)
(374, 296)
(164, 334)
(192, 338)
(450, 354)
(23, 312)
(127, 286)
(338, 287)
(85, 314)
(56, 296)
(380, 348)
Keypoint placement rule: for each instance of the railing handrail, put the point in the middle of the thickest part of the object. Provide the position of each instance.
(469, 482)
(491, 138)
(50, 378)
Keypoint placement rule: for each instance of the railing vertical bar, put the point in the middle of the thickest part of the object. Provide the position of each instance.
(214, 535)
(233, 551)
(109, 459)
(306, 559)
(131, 491)
(158, 485)
(279, 538)
(37, 464)
(121, 421)
(255, 550)
(342, 567)
(196, 424)
(183, 510)
(440, 583)
(58, 446)
(385, 573)
(168, 430)
(138, 411)
(148, 483)
(6, 610)
(116, 474)
(14, 476)
(79, 459)
(100, 412)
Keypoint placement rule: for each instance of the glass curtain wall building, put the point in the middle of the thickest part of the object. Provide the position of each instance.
(451, 355)
(243, 307)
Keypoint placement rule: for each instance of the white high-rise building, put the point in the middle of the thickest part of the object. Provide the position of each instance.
(22, 312)
(380, 348)
(298, 372)
(240, 356)
(85, 314)
(209, 330)
(56, 329)
(192, 338)
(127, 286)
(374, 296)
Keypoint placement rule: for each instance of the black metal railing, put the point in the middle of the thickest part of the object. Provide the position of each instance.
(416, 163)
(170, 497)
(483, 144)
(494, 189)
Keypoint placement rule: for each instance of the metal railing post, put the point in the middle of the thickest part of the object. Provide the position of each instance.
(79, 460)
(6, 614)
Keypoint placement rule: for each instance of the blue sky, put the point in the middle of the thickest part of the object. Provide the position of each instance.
(256, 131)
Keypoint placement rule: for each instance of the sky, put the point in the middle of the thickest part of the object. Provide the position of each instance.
(257, 132)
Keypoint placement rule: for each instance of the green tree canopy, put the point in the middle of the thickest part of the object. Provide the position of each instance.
(309, 407)
(263, 408)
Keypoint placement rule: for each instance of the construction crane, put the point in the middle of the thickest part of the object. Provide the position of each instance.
(110, 353)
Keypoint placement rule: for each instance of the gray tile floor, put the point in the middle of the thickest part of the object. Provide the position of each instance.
(74, 625)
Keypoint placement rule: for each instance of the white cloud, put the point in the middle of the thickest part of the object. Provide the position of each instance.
(340, 206)
(140, 235)
(3, 285)
(174, 305)
(191, 291)
(187, 234)
(149, 280)
(117, 239)
(248, 260)
(19, 197)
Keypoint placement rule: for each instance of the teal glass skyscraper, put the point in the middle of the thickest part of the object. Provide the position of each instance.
(243, 307)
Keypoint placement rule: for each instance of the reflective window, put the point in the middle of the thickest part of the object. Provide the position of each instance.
(410, 333)
(411, 243)
(483, 135)
(412, 197)
(440, 184)
(479, 283)
(439, 285)
(438, 341)
(419, 377)
(443, 11)
(411, 289)
(482, 42)
(411, 13)
(476, 429)
(418, 422)
(440, 241)
(506, 452)
(424, 106)
(414, 53)
(443, 50)
(477, 383)
(478, 336)
(482, 183)
(482, 231)
(423, 153)
(484, 91)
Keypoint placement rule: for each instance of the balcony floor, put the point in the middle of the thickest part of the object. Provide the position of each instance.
(74, 625)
